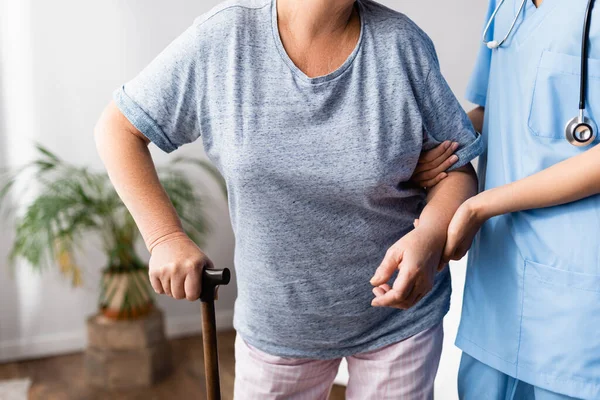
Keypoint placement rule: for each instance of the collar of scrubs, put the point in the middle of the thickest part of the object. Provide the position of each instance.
(531, 18)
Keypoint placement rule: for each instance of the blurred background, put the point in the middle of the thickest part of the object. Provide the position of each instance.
(59, 64)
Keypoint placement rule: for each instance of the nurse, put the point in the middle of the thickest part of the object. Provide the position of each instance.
(530, 325)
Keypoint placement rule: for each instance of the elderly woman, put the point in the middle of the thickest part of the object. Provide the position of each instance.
(315, 112)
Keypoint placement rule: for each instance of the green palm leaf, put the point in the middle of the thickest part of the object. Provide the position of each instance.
(71, 203)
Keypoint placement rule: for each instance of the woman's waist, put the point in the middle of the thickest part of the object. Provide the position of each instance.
(319, 291)
(317, 281)
(328, 238)
(319, 323)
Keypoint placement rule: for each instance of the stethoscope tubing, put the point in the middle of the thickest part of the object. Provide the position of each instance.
(585, 41)
(493, 43)
(574, 136)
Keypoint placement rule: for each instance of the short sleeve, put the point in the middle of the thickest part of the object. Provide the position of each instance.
(162, 101)
(478, 84)
(444, 119)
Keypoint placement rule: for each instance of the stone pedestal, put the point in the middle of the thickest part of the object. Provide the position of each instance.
(126, 354)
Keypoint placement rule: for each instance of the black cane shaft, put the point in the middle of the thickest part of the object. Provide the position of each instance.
(211, 356)
(211, 279)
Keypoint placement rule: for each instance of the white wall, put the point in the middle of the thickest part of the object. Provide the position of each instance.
(59, 63)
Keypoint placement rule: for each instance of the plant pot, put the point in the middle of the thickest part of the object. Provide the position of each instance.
(126, 294)
(126, 354)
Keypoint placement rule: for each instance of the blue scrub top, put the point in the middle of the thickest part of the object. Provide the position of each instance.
(532, 294)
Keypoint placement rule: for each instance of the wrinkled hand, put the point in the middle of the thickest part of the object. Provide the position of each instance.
(465, 224)
(433, 163)
(176, 267)
(416, 256)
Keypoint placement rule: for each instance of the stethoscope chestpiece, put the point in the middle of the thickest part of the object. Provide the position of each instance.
(580, 131)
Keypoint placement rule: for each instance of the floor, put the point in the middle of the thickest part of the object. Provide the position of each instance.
(59, 378)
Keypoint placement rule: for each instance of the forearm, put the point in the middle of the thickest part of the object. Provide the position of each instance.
(445, 198)
(476, 116)
(130, 167)
(565, 182)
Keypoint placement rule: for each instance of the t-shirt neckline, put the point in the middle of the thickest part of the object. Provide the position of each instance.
(294, 68)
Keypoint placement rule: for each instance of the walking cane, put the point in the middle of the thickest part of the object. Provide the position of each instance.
(211, 278)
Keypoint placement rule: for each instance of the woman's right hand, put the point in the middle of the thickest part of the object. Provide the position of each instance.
(433, 164)
(176, 266)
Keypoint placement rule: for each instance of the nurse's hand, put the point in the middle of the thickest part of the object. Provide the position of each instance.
(416, 256)
(465, 224)
(434, 163)
(176, 266)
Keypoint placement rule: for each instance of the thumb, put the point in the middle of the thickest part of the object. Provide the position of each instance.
(388, 266)
(449, 251)
(452, 241)
(416, 223)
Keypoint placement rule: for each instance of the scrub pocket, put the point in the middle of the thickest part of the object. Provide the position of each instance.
(560, 331)
(555, 99)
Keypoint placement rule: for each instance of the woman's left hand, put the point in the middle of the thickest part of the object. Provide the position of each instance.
(465, 224)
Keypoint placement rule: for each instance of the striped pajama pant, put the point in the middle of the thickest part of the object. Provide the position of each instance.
(405, 370)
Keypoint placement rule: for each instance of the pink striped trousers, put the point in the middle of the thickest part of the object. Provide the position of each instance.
(405, 370)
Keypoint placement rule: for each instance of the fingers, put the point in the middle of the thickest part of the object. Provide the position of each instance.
(432, 182)
(156, 284)
(450, 150)
(381, 290)
(387, 299)
(422, 288)
(390, 297)
(435, 170)
(430, 163)
(405, 283)
(192, 285)
(388, 266)
(165, 280)
(179, 281)
(400, 292)
(176, 269)
(412, 284)
(386, 287)
(177, 289)
(435, 153)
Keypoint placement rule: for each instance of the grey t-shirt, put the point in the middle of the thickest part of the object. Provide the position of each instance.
(316, 168)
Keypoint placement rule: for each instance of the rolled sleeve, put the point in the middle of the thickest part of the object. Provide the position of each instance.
(445, 120)
(142, 121)
(469, 152)
(162, 100)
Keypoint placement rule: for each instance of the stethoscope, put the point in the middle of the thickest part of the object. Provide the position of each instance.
(581, 130)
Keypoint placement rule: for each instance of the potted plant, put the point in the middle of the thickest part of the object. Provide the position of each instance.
(70, 204)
